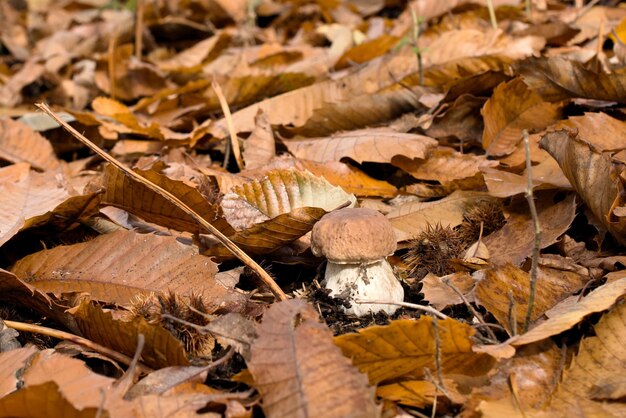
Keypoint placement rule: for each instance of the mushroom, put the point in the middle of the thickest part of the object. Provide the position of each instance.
(356, 242)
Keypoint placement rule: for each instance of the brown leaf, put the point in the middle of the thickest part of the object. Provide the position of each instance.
(591, 173)
(412, 218)
(417, 393)
(300, 372)
(161, 349)
(260, 147)
(189, 58)
(558, 78)
(445, 166)
(125, 193)
(405, 348)
(440, 295)
(10, 363)
(372, 145)
(514, 242)
(19, 143)
(511, 109)
(600, 359)
(599, 300)
(115, 267)
(495, 285)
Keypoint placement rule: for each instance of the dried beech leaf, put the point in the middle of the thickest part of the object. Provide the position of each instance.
(405, 347)
(300, 372)
(280, 192)
(115, 267)
(41, 400)
(600, 359)
(514, 242)
(558, 78)
(10, 363)
(511, 109)
(161, 348)
(31, 195)
(599, 300)
(19, 143)
(495, 285)
(260, 147)
(270, 235)
(195, 55)
(412, 218)
(125, 193)
(79, 385)
(590, 171)
(372, 145)
(440, 295)
(445, 166)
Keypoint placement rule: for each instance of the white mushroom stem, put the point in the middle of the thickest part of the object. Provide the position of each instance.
(372, 281)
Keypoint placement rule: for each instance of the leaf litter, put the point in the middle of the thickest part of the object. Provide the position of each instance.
(176, 277)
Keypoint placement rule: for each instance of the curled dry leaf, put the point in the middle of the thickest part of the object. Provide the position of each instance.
(280, 192)
(161, 349)
(513, 108)
(405, 348)
(125, 193)
(514, 242)
(558, 78)
(300, 372)
(592, 174)
(372, 145)
(260, 147)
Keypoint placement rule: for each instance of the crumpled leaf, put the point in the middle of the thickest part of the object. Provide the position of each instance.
(118, 266)
(372, 145)
(300, 372)
(19, 143)
(592, 174)
(511, 109)
(558, 78)
(405, 347)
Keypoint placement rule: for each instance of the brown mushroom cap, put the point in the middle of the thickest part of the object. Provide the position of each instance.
(353, 235)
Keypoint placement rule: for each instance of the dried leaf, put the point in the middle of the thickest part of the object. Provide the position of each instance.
(558, 78)
(298, 370)
(599, 300)
(416, 393)
(412, 218)
(495, 288)
(370, 145)
(115, 267)
(590, 171)
(511, 109)
(260, 147)
(19, 143)
(10, 363)
(514, 242)
(405, 348)
(440, 295)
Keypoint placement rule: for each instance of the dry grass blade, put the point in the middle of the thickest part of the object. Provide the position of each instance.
(234, 142)
(267, 279)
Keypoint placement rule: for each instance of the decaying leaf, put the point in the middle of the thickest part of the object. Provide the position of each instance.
(292, 362)
(19, 143)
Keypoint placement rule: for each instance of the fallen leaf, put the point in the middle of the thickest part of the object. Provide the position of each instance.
(19, 143)
(405, 348)
(295, 351)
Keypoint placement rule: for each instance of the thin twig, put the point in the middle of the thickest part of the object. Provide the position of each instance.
(474, 312)
(62, 335)
(416, 47)
(533, 213)
(512, 314)
(492, 14)
(111, 62)
(438, 357)
(238, 252)
(234, 140)
(139, 29)
(426, 309)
